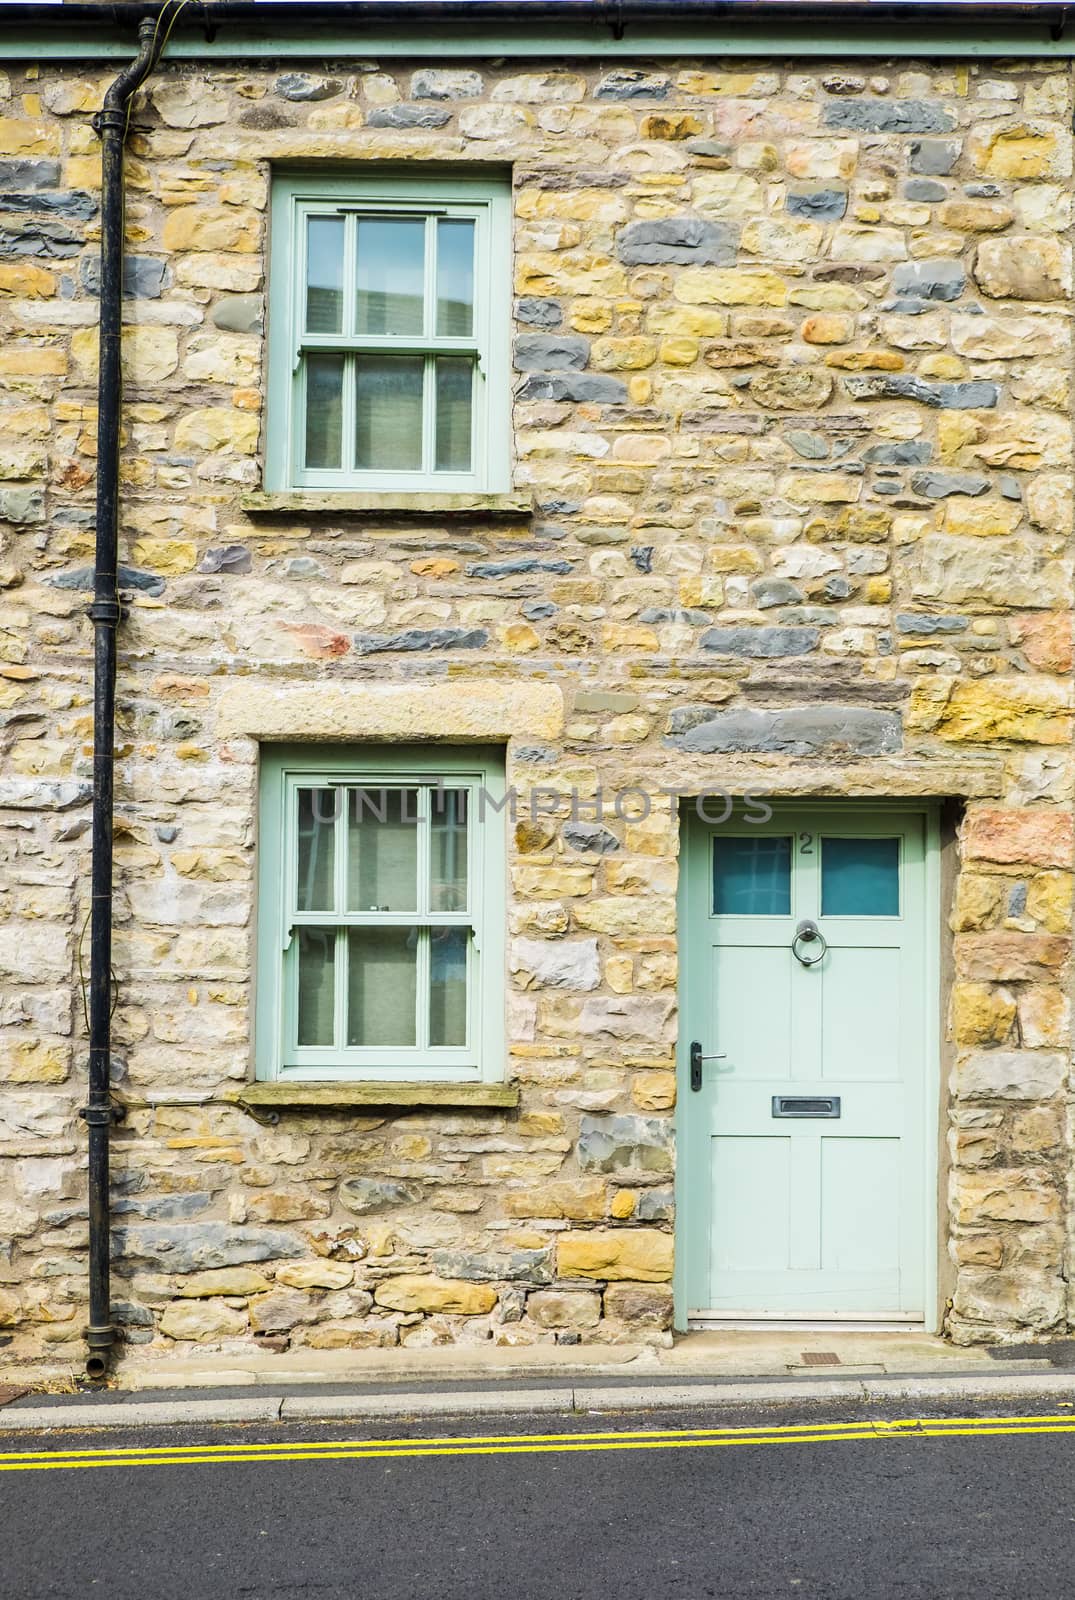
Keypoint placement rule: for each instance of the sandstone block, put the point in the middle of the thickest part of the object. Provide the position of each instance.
(223, 1282)
(564, 1308)
(1023, 267)
(202, 1322)
(1008, 957)
(1034, 837)
(1010, 1075)
(421, 1292)
(642, 1255)
(640, 1305)
(1018, 1194)
(981, 1014)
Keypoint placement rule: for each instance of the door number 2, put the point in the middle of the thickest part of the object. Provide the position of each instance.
(806, 844)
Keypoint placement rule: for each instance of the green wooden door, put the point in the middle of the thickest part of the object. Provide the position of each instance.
(804, 1177)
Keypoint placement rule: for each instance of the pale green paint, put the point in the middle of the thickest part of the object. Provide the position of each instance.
(296, 195)
(810, 1218)
(283, 769)
(322, 50)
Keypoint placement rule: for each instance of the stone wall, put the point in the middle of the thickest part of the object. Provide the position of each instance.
(793, 352)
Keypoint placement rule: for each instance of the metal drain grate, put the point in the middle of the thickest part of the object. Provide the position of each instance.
(820, 1358)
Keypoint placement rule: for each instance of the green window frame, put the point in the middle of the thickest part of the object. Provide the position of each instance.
(389, 334)
(380, 953)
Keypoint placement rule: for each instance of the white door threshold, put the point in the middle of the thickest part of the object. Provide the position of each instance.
(854, 1322)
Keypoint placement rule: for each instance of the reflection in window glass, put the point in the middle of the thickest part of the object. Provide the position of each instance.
(381, 986)
(860, 877)
(324, 275)
(455, 377)
(388, 413)
(448, 850)
(455, 278)
(324, 410)
(317, 849)
(448, 986)
(317, 985)
(382, 849)
(751, 877)
(391, 275)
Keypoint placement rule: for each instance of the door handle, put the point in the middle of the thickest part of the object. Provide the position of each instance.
(696, 1063)
(810, 934)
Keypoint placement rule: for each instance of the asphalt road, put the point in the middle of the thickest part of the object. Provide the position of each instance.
(834, 1502)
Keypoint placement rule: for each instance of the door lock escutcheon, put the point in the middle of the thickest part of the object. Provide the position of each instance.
(696, 1059)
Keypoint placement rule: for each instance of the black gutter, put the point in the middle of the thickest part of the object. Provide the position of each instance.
(99, 1113)
(207, 15)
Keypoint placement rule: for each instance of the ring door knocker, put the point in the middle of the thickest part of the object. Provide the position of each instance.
(808, 933)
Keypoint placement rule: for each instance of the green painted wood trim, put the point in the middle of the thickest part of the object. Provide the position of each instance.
(764, 44)
(314, 503)
(280, 1095)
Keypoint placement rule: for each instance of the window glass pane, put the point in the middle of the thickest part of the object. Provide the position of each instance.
(751, 877)
(860, 877)
(317, 984)
(448, 855)
(381, 986)
(448, 985)
(317, 849)
(389, 413)
(382, 850)
(324, 410)
(391, 275)
(324, 275)
(455, 377)
(455, 278)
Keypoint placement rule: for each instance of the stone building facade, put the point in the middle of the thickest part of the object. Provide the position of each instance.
(790, 515)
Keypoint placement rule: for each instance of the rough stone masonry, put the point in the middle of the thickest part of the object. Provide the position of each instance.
(793, 352)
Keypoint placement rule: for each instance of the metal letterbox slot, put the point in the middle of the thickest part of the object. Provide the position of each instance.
(790, 1105)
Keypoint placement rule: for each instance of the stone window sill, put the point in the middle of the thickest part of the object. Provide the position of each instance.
(315, 503)
(268, 1099)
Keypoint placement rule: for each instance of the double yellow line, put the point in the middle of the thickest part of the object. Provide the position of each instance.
(534, 1443)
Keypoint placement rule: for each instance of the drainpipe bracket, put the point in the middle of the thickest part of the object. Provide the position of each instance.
(110, 612)
(103, 1116)
(100, 1336)
(109, 117)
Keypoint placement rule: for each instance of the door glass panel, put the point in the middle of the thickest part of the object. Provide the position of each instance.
(317, 849)
(455, 379)
(448, 985)
(324, 411)
(455, 278)
(382, 966)
(751, 877)
(448, 855)
(317, 985)
(388, 413)
(860, 877)
(324, 275)
(391, 275)
(382, 850)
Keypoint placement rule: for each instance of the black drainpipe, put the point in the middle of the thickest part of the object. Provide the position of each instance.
(111, 124)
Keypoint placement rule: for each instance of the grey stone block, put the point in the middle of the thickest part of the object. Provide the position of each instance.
(539, 610)
(589, 838)
(445, 83)
(129, 578)
(805, 731)
(360, 1195)
(904, 453)
(74, 203)
(810, 446)
(1010, 487)
(517, 567)
(931, 280)
(369, 644)
(923, 625)
(935, 157)
(143, 276)
(240, 313)
(306, 86)
(538, 312)
(769, 592)
(870, 115)
(631, 83)
(579, 388)
(685, 615)
(656, 1205)
(677, 241)
(1011, 1075)
(47, 240)
(22, 505)
(408, 116)
(28, 174)
(837, 588)
(162, 1207)
(925, 190)
(975, 395)
(938, 485)
(760, 643)
(550, 352)
(634, 1148)
(493, 1266)
(820, 205)
(190, 1247)
(226, 558)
